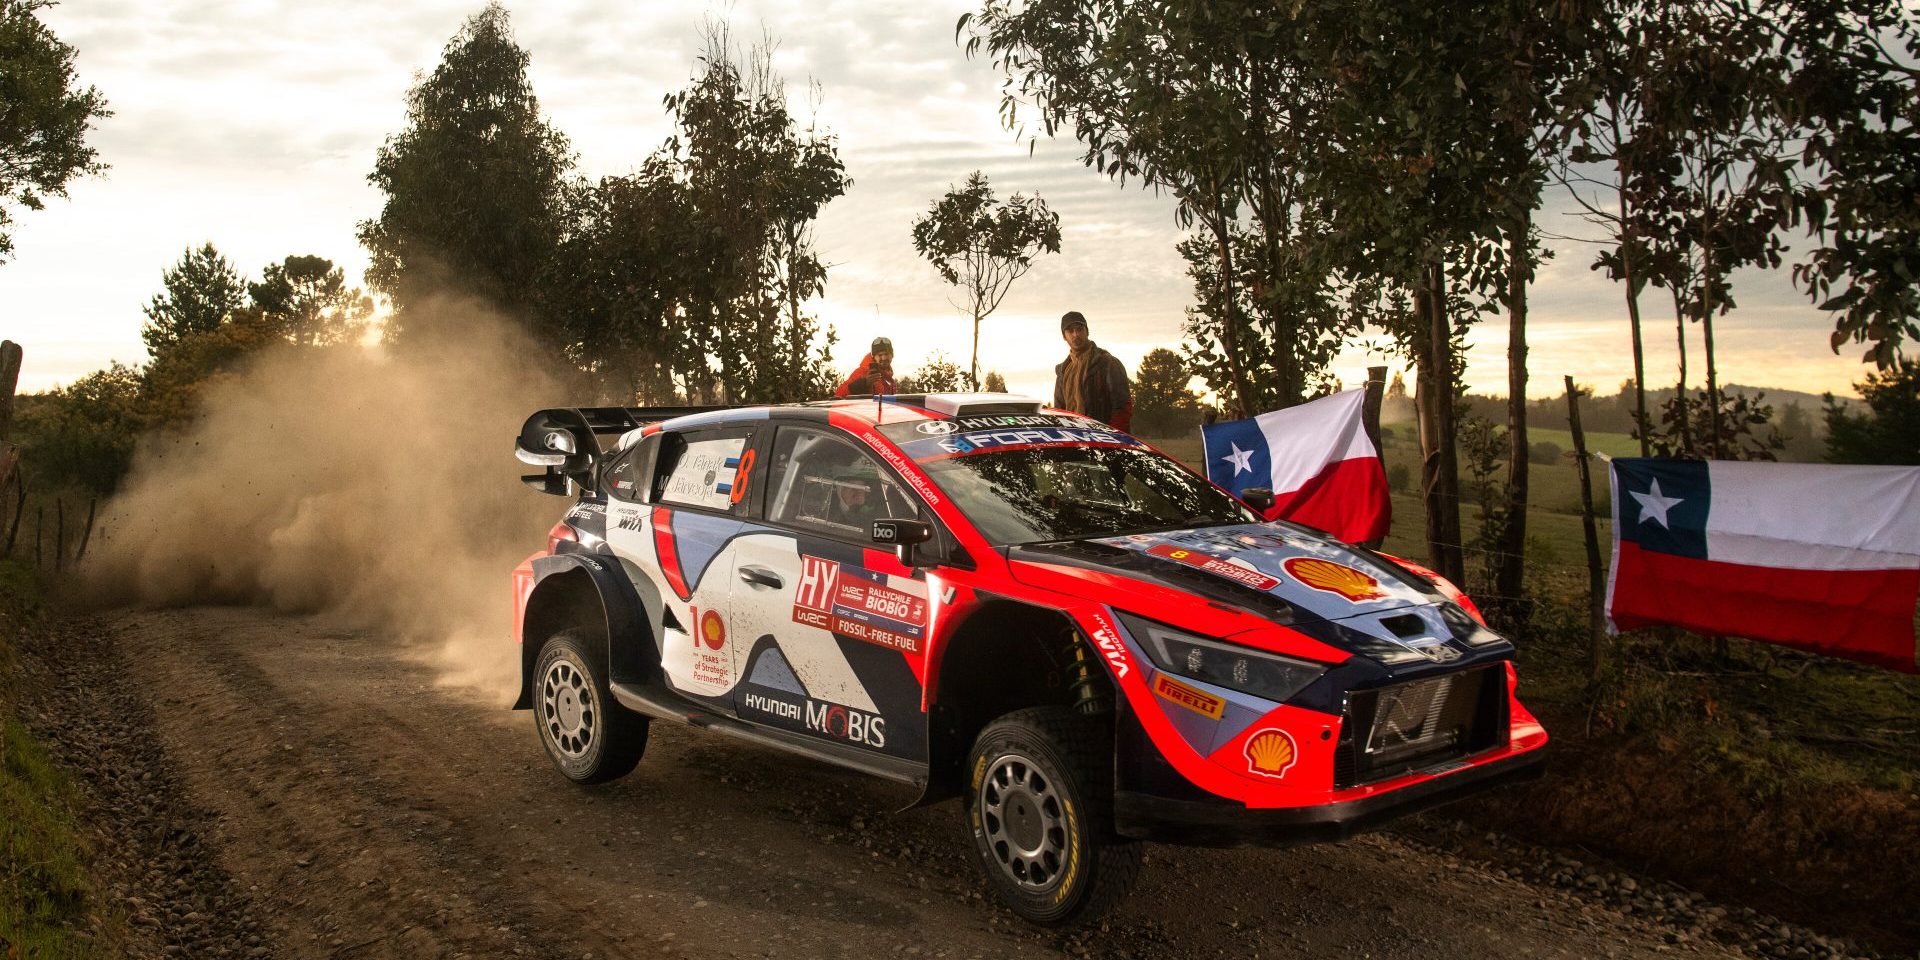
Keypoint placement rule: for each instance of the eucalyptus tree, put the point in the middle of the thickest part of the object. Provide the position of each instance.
(1722, 192)
(1854, 94)
(752, 183)
(45, 115)
(619, 278)
(1370, 153)
(981, 246)
(473, 185)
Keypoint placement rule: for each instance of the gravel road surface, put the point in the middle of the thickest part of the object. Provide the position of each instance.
(269, 786)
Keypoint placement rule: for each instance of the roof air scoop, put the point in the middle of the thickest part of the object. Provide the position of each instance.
(980, 404)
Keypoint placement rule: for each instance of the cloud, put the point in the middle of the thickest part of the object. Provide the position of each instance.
(254, 123)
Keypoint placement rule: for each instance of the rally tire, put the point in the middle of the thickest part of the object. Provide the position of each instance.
(587, 734)
(1039, 808)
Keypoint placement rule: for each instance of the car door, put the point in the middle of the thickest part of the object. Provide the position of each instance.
(832, 632)
(678, 533)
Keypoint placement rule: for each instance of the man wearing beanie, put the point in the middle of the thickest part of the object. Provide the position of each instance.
(874, 375)
(1091, 382)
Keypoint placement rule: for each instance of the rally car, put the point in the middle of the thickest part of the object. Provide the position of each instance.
(1086, 642)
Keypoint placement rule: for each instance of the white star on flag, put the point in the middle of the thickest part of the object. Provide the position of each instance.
(1242, 460)
(1654, 506)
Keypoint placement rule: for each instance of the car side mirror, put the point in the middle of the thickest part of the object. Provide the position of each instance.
(903, 536)
(1259, 498)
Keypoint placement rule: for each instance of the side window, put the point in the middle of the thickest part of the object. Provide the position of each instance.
(622, 479)
(706, 469)
(822, 482)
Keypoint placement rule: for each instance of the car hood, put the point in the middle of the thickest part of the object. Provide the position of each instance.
(1286, 574)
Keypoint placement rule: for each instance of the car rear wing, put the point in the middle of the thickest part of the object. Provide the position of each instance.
(566, 441)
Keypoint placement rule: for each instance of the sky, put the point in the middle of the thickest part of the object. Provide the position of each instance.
(253, 124)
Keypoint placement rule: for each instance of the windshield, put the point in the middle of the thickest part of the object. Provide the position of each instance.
(1066, 492)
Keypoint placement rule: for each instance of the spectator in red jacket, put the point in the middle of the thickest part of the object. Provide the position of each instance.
(1091, 382)
(874, 375)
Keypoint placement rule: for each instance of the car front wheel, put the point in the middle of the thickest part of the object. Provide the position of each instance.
(589, 737)
(1040, 808)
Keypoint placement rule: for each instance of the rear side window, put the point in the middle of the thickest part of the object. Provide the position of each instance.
(706, 470)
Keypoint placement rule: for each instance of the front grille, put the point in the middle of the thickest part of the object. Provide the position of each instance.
(1420, 724)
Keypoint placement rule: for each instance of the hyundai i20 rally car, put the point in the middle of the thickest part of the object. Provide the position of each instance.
(1086, 642)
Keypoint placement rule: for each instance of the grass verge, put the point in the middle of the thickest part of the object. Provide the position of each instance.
(1758, 775)
(46, 897)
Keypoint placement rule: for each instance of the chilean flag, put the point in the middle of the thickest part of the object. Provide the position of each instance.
(1821, 557)
(1317, 459)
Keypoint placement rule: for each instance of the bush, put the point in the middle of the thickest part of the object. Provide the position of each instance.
(1546, 451)
(1400, 478)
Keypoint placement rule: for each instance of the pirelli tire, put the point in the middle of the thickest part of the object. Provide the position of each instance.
(587, 734)
(1039, 807)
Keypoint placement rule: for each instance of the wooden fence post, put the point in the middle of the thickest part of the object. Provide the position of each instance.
(87, 536)
(59, 534)
(1596, 582)
(1370, 408)
(19, 508)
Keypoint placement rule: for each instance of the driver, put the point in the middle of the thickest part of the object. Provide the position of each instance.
(855, 500)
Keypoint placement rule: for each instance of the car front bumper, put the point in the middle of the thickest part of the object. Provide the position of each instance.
(1222, 823)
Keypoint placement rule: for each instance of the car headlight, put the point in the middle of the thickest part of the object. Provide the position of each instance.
(1265, 675)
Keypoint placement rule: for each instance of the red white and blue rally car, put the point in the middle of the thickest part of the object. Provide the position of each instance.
(1083, 640)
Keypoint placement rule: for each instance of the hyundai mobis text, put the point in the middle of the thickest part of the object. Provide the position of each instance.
(1085, 642)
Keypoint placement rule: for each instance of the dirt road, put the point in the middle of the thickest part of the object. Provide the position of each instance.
(350, 807)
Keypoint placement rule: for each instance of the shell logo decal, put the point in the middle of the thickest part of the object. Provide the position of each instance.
(713, 631)
(1270, 753)
(1335, 578)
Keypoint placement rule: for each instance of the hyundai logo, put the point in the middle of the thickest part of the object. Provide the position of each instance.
(937, 428)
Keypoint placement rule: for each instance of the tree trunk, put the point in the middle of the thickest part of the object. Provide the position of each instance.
(1596, 581)
(1706, 316)
(1230, 310)
(1713, 391)
(1439, 466)
(1510, 573)
(1633, 322)
(973, 366)
(9, 379)
(1685, 424)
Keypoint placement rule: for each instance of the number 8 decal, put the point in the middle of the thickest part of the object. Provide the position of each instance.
(741, 475)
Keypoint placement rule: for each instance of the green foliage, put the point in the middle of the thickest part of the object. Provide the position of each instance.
(472, 184)
(307, 299)
(82, 436)
(201, 292)
(173, 383)
(982, 246)
(1292, 313)
(1163, 404)
(1400, 478)
(44, 890)
(44, 115)
(1545, 452)
(1890, 433)
(689, 277)
(1853, 96)
(620, 279)
(46, 897)
(753, 182)
(1686, 430)
(937, 375)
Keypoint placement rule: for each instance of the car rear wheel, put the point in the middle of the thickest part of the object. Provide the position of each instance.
(1040, 808)
(589, 736)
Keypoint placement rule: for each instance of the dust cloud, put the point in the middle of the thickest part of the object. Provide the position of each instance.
(376, 488)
